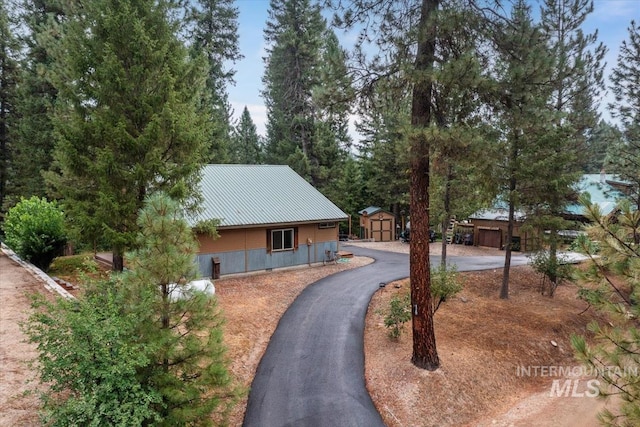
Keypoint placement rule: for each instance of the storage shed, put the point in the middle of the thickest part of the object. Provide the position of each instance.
(377, 224)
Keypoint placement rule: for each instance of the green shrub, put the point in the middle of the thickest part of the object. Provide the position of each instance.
(444, 285)
(69, 265)
(34, 229)
(552, 269)
(399, 313)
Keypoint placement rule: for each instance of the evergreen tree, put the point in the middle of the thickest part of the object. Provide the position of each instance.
(32, 151)
(406, 36)
(610, 284)
(523, 68)
(425, 354)
(604, 135)
(187, 367)
(384, 113)
(332, 98)
(127, 115)
(349, 193)
(9, 70)
(294, 37)
(305, 90)
(624, 156)
(214, 32)
(576, 80)
(143, 348)
(245, 144)
(461, 147)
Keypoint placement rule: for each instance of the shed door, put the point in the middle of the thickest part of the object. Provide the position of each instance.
(490, 238)
(382, 230)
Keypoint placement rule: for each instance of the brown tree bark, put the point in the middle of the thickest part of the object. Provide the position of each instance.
(425, 354)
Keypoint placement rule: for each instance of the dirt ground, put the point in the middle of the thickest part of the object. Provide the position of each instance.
(16, 284)
(481, 342)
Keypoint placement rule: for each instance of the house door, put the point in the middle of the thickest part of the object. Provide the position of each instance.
(490, 238)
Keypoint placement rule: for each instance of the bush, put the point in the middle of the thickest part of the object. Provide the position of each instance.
(399, 313)
(444, 285)
(34, 229)
(553, 270)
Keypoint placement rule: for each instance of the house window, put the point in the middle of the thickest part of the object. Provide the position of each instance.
(327, 225)
(282, 240)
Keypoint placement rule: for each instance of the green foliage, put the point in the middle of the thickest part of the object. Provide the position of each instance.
(245, 145)
(623, 155)
(611, 284)
(90, 358)
(307, 90)
(208, 227)
(73, 264)
(9, 76)
(399, 313)
(33, 139)
(444, 284)
(213, 29)
(35, 230)
(188, 369)
(553, 269)
(130, 351)
(585, 245)
(128, 119)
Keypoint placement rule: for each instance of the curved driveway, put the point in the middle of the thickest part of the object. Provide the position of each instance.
(312, 372)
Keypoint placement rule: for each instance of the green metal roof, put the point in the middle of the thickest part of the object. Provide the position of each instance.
(602, 193)
(251, 195)
(371, 210)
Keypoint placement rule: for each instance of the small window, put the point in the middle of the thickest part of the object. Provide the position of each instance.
(327, 225)
(282, 240)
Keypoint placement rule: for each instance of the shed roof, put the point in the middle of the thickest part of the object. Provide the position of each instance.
(371, 210)
(252, 195)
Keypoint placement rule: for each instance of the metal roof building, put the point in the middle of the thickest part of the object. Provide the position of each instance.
(270, 217)
(254, 195)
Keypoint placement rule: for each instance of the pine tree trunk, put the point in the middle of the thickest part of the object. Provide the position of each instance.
(504, 289)
(118, 260)
(425, 354)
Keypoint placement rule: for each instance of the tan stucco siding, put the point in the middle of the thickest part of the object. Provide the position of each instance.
(256, 238)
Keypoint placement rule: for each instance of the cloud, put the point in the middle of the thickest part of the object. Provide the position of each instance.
(258, 114)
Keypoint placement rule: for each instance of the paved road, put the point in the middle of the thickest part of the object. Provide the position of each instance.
(312, 373)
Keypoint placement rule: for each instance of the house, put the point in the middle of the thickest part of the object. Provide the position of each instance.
(490, 229)
(377, 224)
(270, 217)
(490, 225)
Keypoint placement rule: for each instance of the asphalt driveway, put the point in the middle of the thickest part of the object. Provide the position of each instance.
(312, 372)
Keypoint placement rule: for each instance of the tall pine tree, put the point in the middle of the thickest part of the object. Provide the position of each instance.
(127, 116)
(523, 67)
(576, 82)
(32, 150)
(9, 70)
(625, 154)
(305, 86)
(246, 147)
(213, 30)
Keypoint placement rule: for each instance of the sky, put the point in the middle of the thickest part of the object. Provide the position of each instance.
(610, 17)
